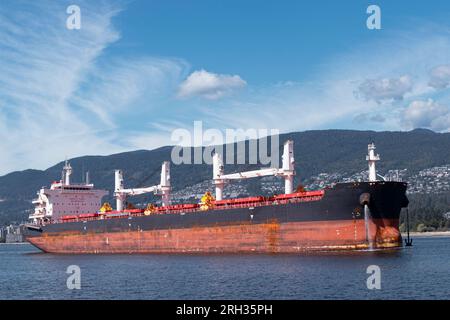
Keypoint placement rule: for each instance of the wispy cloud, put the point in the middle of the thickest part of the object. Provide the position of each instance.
(42, 66)
(60, 93)
(128, 86)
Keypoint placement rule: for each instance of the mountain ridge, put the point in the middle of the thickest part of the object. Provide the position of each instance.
(316, 151)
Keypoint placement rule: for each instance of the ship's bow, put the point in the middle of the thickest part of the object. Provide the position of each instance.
(382, 203)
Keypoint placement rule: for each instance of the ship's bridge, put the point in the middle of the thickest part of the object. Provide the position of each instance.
(65, 198)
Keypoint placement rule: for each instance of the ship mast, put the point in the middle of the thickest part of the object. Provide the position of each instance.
(372, 159)
(286, 171)
(164, 186)
(67, 171)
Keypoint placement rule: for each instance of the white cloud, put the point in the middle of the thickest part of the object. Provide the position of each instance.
(426, 114)
(440, 77)
(209, 85)
(385, 89)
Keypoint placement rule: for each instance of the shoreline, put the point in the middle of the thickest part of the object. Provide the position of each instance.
(13, 242)
(427, 234)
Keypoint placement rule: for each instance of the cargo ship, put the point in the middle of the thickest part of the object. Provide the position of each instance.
(360, 215)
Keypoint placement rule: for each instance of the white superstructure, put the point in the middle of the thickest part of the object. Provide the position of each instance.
(64, 198)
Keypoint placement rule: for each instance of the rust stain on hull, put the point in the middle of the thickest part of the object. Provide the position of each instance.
(272, 237)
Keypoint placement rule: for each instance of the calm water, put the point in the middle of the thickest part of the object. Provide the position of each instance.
(420, 272)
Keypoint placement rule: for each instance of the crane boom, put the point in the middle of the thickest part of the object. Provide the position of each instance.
(163, 188)
(250, 174)
(287, 171)
(139, 191)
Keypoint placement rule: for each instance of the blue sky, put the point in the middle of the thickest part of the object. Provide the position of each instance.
(137, 70)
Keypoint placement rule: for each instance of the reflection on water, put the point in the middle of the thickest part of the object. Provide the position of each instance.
(418, 272)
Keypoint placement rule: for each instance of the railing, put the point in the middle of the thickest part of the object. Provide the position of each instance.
(172, 210)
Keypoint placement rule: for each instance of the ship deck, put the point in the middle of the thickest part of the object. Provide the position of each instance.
(258, 201)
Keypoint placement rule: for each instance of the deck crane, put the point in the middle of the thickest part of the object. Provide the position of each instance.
(163, 189)
(287, 171)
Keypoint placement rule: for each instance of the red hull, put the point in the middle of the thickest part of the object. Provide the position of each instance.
(245, 238)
